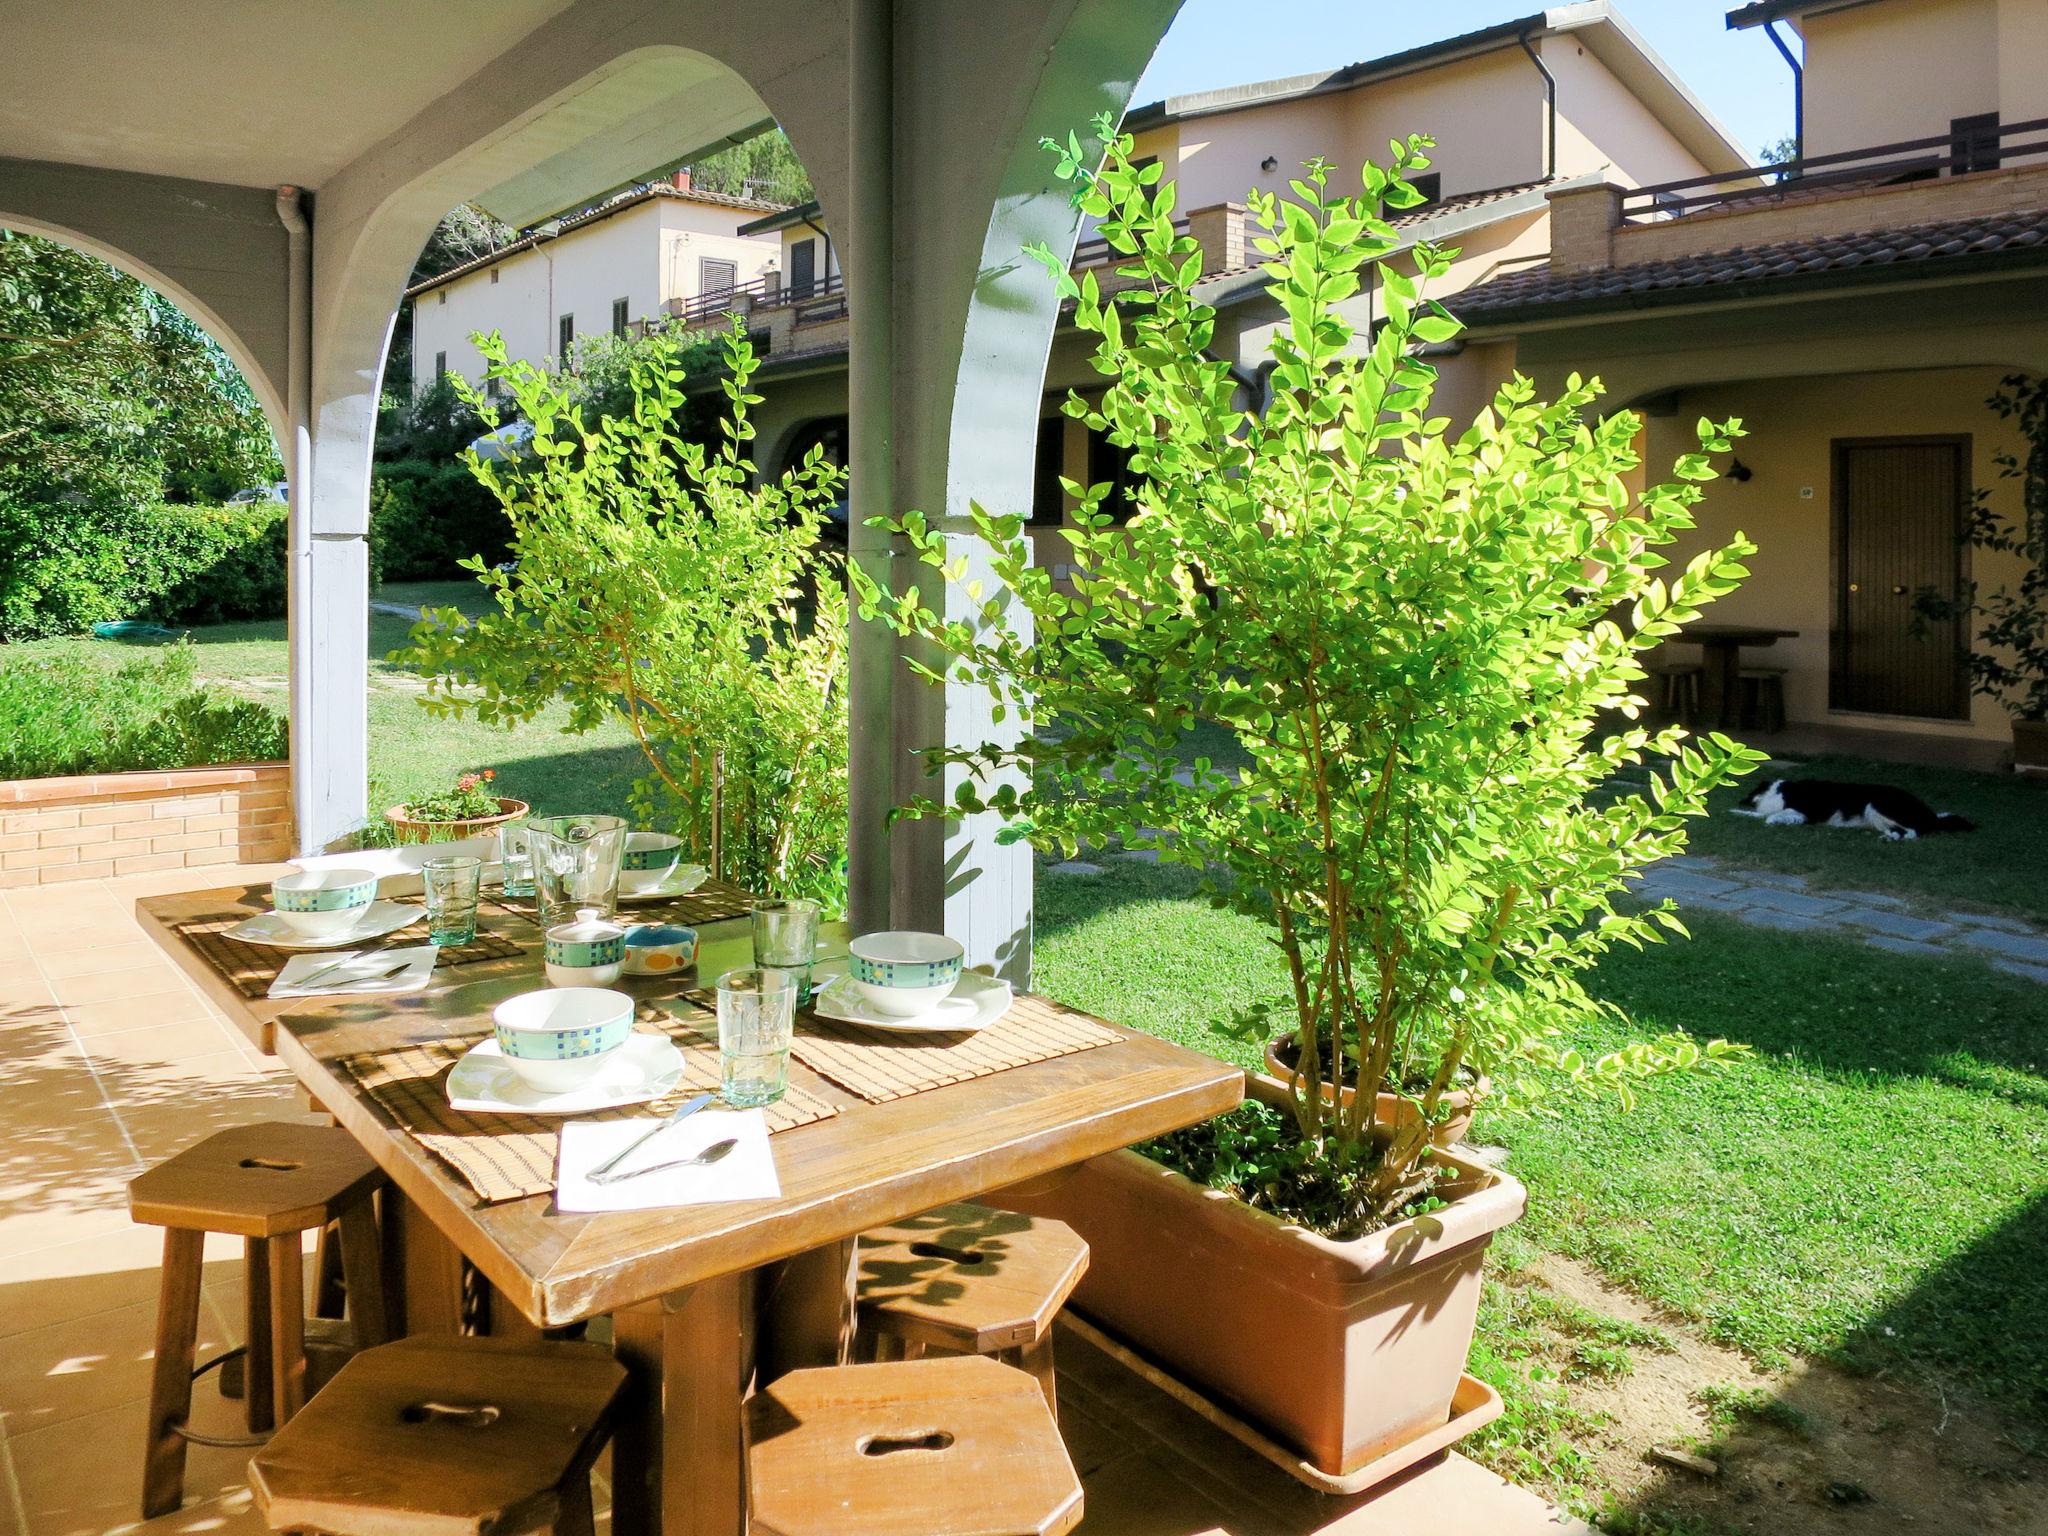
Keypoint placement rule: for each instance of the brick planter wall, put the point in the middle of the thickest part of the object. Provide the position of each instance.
(96, 825)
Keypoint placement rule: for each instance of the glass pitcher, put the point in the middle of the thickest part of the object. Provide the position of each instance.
(575, 864)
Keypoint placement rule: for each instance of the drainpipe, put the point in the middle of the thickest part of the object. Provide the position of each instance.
(1549, 107)
(298, 451)
(1798, 90)
(871, 412)
(825, 260)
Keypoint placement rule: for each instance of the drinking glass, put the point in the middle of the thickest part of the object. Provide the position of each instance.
(518, 860)
(451, 883)
(756, 1016)
(786, 938)
(575, 865)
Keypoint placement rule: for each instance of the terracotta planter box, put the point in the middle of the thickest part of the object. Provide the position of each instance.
(2030, 747)
(411, 831)
(1340, 1351)
(1389, 1107)
(93, 826)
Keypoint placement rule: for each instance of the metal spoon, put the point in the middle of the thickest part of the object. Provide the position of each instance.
(704, 1159)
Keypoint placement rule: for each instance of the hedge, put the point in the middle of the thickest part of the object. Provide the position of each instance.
(427, 517)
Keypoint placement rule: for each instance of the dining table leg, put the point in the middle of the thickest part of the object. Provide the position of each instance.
(679, 1456)
(1724, 676)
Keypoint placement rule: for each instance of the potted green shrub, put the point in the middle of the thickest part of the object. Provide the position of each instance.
(467, 808)
(1418, 644)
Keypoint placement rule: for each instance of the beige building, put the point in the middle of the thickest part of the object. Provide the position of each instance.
(664, 249)
(1571, 97)
(1856, 313)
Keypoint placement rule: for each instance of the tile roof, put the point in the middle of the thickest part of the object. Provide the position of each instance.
(1461, 203)
(1818, 262)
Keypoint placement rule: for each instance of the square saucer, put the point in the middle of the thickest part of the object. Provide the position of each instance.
(975, 1002)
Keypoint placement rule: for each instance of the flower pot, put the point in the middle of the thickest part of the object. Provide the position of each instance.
(411, 831)
(1340, 1351)
(1391, 1108)
(2030, 747)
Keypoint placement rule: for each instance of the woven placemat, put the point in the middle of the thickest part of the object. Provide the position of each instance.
(251, 968)
(880, 1065)
(507, 1157)
(712, 902)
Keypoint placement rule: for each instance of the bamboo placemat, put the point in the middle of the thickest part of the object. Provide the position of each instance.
(880, 1065)
(712, 902)
(251, 968)
(507, 1157)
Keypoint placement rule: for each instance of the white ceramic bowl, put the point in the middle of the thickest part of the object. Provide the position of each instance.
(588, 952)
(557, 1039)
(321, 903)
(649, 859)
(904, 973)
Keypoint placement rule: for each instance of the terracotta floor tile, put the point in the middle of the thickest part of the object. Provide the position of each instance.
(129, 956)
(84, 1477)
(160, 1041)
(66, 1370)
(142, 983)
(122, 1015)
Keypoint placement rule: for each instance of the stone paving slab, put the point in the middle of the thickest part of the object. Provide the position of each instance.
(1796, 902)
(1906, 946)
(1899, 925)
(2031, 948)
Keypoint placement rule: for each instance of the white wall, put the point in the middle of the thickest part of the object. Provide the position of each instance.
(691, 232)
(1602, 125)
(1876, 74)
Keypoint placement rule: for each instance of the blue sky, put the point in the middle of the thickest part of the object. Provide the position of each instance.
(1228, 42)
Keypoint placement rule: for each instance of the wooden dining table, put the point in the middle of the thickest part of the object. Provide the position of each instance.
(1721, 647)
(705, 1301)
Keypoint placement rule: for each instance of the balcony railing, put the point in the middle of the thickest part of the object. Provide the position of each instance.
(704, 306)
(1957, 153)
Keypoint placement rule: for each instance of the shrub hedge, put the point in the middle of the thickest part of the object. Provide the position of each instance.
(57, 717)
(425, 517)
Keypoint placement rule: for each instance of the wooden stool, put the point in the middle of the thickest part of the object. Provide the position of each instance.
(955, 1447)
(441, 1435)
(1763, 696)
(267, 1184)
(1680, 687)
(969, 1280)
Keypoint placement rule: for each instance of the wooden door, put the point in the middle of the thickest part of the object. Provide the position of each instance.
(803, 268)
(1900, 511)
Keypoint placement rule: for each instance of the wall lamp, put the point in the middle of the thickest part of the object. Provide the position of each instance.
(1739, 471)
(1269, 165)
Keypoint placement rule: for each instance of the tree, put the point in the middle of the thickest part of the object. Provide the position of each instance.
(765, 167)
(1419, 643)
(108, 392)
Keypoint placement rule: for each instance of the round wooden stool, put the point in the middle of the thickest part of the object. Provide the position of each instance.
(1763, 697)
(442, 1435)
(954, 1447)
(267, 1184)
(969, 1280)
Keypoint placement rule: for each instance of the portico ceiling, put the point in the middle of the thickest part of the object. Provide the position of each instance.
(253, 92)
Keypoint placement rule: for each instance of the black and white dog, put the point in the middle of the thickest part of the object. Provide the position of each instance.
(1897, 813)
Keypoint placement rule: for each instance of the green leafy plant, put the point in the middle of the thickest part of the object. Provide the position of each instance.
(1424, 646)
(473, 795)
(657, 584)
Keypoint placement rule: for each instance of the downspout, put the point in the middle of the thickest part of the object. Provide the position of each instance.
(291, 212)
(1549, 104)
(1798, 90)
(871, 419)
(825, 261)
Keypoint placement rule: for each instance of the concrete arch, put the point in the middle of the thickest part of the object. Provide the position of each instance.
(211, 241)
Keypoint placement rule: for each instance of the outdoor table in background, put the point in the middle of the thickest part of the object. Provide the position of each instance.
(704, 1296)
(1721, 661)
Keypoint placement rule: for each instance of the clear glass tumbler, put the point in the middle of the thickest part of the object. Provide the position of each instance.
(518, 860)
(756, 1017)
(575, 865)
(786, 939)
(451, 882)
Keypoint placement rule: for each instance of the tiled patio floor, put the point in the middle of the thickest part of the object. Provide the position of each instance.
(110, 1059)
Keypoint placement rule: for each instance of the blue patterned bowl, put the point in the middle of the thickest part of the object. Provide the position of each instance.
(650, 858)
(904, 973)
(557, 1039)
(585, 953)
(320, 903)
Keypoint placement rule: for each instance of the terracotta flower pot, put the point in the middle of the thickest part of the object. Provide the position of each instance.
(411, 831)
(1390, 1108)
(2030, 747)
(1342, 1351)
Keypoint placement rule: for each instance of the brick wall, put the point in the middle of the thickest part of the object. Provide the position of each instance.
(98, 825)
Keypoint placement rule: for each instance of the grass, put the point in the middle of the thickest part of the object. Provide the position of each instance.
(1996, 867)
(1870, 1185)
(410, 752)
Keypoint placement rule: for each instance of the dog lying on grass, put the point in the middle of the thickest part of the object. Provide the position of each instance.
(1896, 814)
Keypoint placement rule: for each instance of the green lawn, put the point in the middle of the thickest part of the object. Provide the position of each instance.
(410, 752)
(1998, 867)
(1871, 1185)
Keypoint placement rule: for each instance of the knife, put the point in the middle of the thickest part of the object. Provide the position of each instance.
(658, 1127)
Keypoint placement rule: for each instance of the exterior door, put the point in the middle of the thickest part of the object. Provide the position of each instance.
(1901, 507)
(803, 268)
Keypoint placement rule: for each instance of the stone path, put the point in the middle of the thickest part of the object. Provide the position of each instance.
(1768, 899)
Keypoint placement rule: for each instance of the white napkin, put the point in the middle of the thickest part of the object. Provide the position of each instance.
(353, 970)
(747, 1172)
